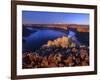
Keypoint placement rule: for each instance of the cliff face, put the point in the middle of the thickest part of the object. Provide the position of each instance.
(60, 42)
(63, 42)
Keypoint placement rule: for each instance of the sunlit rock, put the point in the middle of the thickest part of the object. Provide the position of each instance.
(62, 42)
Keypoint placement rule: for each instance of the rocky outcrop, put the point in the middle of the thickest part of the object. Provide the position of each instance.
(63, 42)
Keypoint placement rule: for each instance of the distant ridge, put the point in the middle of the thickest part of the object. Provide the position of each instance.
(78, 27)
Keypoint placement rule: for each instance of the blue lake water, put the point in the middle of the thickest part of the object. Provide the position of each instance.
(37, 39)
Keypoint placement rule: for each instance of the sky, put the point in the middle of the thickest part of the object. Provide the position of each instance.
(37, 17)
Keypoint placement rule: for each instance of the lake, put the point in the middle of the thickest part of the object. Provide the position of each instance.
(33, 39)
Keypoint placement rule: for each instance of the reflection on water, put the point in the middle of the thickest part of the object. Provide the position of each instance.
(37, 39)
